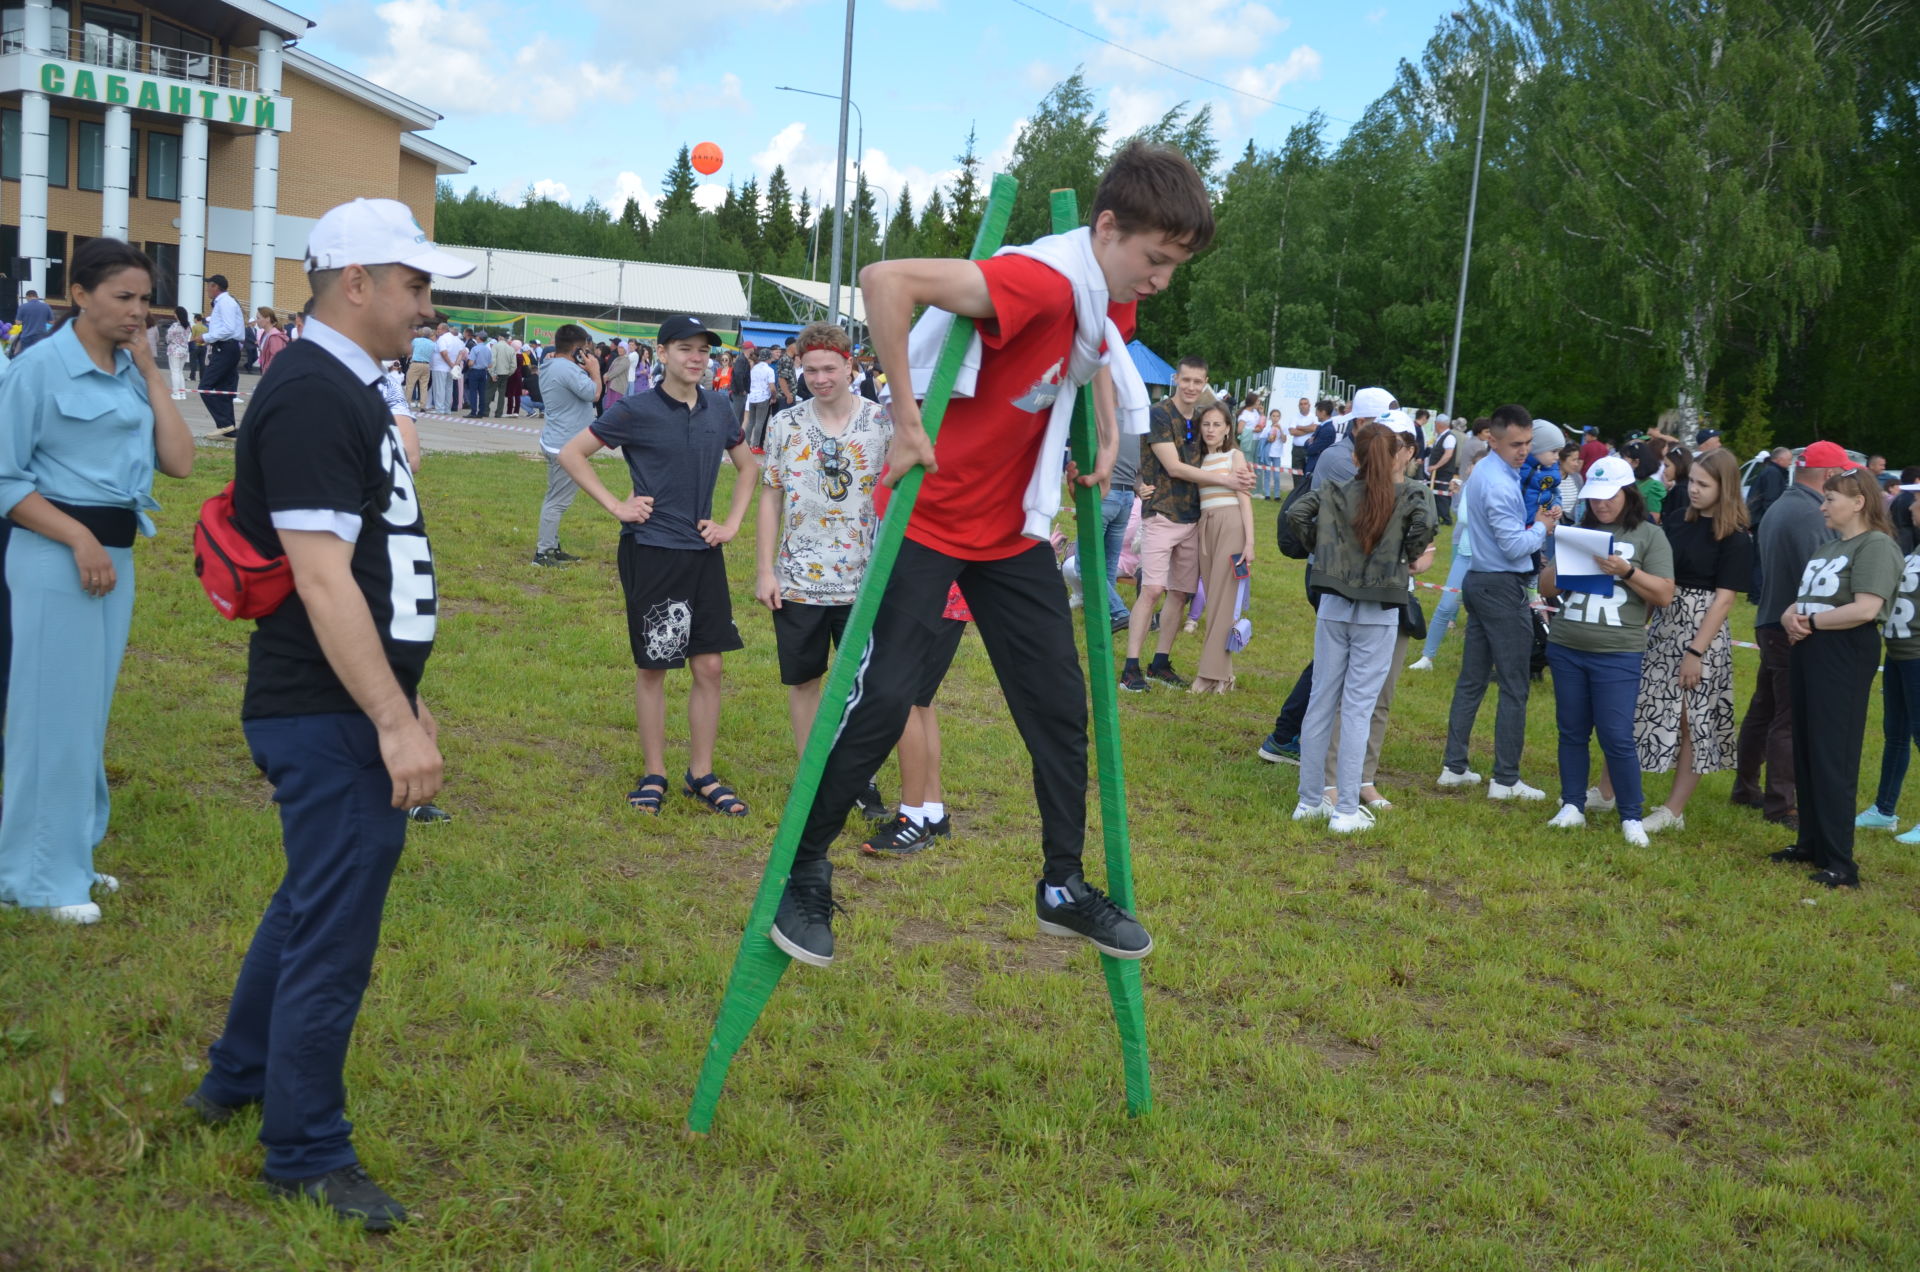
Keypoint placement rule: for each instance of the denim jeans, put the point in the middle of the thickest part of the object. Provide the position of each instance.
(1115, 511)
(1595, 694)
(1449, 606)
(1900, 693)
(1269, 472)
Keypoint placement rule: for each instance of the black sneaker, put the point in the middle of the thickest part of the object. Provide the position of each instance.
(1794, 856)
(803, 925)
(871, 805)
(349, 1191)
(1121, 622)
(561, 554)
(910, 838)
(1133, 682)
(548, 556)
(429, 814)
(1835, 879)
(1080, 909)
(877, 842)
(211, 1113)
(1166, 675)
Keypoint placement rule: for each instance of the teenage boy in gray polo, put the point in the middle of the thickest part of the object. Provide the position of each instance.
(671, 567)
(569, 385)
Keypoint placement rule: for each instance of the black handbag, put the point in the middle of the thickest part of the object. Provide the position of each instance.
(1413, 619)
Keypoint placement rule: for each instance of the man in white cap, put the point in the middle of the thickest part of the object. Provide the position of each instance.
(331, 709)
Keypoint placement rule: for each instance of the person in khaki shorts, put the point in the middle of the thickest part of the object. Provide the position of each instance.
(1170, 522)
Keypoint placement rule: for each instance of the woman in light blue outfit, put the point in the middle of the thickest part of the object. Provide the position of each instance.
(85, 417)
(1449, 606)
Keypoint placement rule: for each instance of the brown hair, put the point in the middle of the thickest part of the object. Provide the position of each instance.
(1214, 406)
(1156, 188)
(1376, 454)
(1857, 481)
(825, 335)
(1682, 463)
(1729, 511)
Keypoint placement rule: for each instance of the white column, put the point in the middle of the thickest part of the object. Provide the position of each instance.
(118, 172)
(266, 181)
(193, 213)
(37, 33)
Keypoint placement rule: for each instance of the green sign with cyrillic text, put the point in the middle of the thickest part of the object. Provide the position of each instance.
(183, 98)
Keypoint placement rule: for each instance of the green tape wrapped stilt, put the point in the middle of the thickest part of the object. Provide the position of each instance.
(1123, 975)
(758, 966)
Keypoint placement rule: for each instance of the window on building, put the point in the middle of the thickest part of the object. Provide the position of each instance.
(180, 53)
(13, 27)
(57, 264)
(59, 147)
(166, 273)
(110, 37)
(9, 145)
(163, 166)
(90, 158)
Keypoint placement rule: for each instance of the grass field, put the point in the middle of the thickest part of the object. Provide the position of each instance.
(1461, 1041)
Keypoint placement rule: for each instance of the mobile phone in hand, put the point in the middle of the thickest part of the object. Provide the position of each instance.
(1240, 570)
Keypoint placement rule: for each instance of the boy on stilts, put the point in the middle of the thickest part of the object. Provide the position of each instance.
(1048, 315)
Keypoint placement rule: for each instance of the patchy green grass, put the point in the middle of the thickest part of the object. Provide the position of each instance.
(1461, 1041)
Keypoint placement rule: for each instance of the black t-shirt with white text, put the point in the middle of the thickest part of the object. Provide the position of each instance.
(317, 440)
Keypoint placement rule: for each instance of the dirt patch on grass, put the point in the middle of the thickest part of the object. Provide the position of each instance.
(1339, 1054)
(1444, 894)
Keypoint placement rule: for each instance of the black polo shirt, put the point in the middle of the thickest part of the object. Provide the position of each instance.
(673, 452)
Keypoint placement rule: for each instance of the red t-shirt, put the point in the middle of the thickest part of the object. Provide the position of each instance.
(988, 444)
(1591, 453)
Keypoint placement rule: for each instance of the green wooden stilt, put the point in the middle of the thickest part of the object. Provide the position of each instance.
(758, 966)
(1123, 975)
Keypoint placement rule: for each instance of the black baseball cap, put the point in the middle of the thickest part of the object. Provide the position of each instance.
(685, 329)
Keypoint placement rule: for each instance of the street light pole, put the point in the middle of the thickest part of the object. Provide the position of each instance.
(1466, 253)
(840, 180)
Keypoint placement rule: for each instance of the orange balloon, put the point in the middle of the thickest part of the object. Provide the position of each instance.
(707, 158)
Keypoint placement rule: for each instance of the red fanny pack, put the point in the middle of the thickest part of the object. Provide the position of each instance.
(239, 580)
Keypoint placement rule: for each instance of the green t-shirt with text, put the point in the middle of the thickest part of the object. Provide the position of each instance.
(1903, 624)
(1615, 623)
(1841, 569)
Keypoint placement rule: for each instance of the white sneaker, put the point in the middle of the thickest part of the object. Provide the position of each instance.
(1568, 818)
(1348, 823)
(1662, 818)
(1448, 778)
(1635, 833)
(106, 881)
(1519, 790)
(1598, 803)
(88, 913)
(1422, 663)
(1304, 811)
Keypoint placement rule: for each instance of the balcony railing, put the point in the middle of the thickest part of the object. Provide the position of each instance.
(119, 53)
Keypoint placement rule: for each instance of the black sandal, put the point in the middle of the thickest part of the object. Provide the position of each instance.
(720, 799)
(649, 795)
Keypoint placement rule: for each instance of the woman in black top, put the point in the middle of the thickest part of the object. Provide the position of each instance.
(1684, 722)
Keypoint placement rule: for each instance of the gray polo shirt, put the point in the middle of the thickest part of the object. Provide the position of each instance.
(1789, 533)
(1126, 464)
(566, 393)
(673, 452)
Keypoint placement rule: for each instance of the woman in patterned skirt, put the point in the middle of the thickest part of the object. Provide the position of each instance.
(1684, 722)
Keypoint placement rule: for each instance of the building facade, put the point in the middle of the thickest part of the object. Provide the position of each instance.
(198, 131)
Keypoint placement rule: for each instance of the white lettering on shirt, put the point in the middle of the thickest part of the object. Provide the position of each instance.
(1591, 607)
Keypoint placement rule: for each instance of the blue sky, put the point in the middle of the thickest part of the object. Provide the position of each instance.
(594, 97)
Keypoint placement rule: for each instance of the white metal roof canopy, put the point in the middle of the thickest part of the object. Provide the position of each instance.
(585, 280)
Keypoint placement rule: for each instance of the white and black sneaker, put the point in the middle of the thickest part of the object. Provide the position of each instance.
(1077, 908)
(803, 925)
(905, 837)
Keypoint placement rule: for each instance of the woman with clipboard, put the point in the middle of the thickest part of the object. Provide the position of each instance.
(1596, 644)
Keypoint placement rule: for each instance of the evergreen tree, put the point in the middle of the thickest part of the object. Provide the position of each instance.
(634, 221)
(1059, 148)
(898, 238)
(934, 237)
(780, 231)
(677, 190)
(966, 200)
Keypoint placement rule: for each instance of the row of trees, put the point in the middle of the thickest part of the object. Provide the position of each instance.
(1710, 208)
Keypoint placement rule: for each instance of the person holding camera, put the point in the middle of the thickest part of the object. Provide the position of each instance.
(569, 386)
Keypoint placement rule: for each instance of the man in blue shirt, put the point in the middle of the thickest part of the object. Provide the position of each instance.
(35, 317)
(1499, 639)
(226, 325)
(420, 368)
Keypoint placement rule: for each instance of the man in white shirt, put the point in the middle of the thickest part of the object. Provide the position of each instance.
(759, 401)
(226, 327)
(446, 367)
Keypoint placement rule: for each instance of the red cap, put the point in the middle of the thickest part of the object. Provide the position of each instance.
(1826, 455)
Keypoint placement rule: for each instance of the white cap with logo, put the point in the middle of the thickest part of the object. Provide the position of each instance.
(1371, 404)
(378, 232)
(1607, 478)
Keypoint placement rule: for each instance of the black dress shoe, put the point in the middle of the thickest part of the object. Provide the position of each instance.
(211, 1113)
(1835, 879)
(349, 1192)
(1793, 856)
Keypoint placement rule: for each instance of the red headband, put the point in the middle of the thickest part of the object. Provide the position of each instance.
(824, 348)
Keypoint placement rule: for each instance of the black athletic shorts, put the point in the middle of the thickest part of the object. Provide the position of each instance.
(805, 636)
(940, 652)
(677, 604)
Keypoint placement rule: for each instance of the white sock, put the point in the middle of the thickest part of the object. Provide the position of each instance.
(915, 813)
(934, 810)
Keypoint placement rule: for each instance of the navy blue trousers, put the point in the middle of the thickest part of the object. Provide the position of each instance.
(222, 372)
(1594, 695)
(285, 1042)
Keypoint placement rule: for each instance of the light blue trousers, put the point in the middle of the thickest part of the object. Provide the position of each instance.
(67, 648)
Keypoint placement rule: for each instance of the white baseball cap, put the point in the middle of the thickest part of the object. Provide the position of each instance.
(1371, 404)
(1607, 478)
(378, 232)
(1397, 420)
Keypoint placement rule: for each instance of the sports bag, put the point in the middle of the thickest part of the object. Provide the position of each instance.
(239, 580)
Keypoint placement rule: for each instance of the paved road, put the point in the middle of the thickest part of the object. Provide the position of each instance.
(437, 432)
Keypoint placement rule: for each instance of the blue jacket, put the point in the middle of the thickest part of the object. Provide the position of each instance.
(1539, 484)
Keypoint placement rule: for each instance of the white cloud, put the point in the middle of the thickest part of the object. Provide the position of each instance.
(1301, 63)
(630, 185)
(710, 195)
(1131, 109)
(547, 188)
